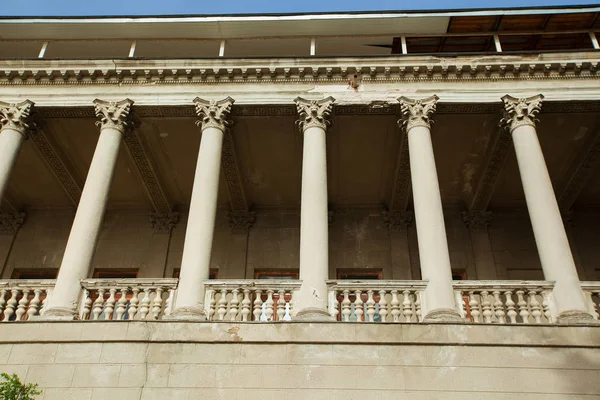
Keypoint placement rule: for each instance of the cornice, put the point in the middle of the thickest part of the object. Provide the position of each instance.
(581, 65)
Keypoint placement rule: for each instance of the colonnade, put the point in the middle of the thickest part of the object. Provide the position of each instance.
(311, 300)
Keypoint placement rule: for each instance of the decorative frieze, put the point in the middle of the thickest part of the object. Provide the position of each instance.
(397, 220)
(241, 220)
(163, 222)
(11, 222)
(416, 112)
(212, 113)
(314, 113)
(476, 220)
(519, 112)
(115, 115)
(16, 116)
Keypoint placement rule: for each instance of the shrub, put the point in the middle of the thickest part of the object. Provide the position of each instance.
(13, 389)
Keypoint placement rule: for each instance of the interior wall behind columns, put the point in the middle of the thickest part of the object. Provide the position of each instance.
(459, 245)
(586, 229)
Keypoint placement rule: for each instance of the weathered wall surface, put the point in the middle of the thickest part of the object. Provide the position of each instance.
(167, 360)
(358, 238)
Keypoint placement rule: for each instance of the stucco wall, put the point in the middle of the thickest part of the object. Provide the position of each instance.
(178, 360)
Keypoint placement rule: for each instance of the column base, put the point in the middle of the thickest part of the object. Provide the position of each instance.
(576, 317)
(59, 314)
(313, 314)
(187, 313)
(443, 315)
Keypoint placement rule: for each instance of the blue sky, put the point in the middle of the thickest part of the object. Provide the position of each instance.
(161, 7)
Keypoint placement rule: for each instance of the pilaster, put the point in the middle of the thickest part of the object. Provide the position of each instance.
(398, 223)
(478, 223)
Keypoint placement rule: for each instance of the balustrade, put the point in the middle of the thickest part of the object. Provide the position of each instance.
(591, 291)
(248, 300)
(24, 299)
(376, 301)
(126, 299)
(505, 302)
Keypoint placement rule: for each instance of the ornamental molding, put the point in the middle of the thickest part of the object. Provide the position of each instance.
(495, 162)
(477, 220)
(581, 65)
(521, 111)
(58, 163)
(163, 222)
(150, 179)
(314, 113)
(213, 113)
(16, 116)
(231, 172)
(115, 115)
(416, 112)
(402, 189)
(11, 222)
(397, 220)
(241, 220)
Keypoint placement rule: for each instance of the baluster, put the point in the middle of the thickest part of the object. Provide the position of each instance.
(145, 304)
(498, 307)
(595, 304)
(222, 305)
(22, 307)
(122, 304)
(233, 309)
(98, 305)
(287, 316)
(486, 306)
(257, 305)
(212, 304)
(474, 304)
(169, 301)
(370, 307)
(11, 305)
(358, 306)
(133, 303)
(3, 300)
(546, 306)
(246, 305)
(510, 307)
(87, 305)
(34, 304)
(522, 305)
(534, 305)
(157, 303)
(383, 305)
(418, 305)
(109, 306)
(346, 306)
(395, 306)
(281, 305)
(407, 310)
(269, 305)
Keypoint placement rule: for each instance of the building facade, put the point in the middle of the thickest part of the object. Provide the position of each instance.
(302, 206)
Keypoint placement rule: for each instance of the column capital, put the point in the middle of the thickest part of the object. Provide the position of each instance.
(314, 113)
(16, 116)
(241, 220)
(397, 220)
(213, 113)
(114, 114)
(163, 222)
(11, 222)
(521, 111)
(417, 112)
(476, 220)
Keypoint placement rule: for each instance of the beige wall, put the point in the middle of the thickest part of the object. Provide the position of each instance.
(358, 239)
(170, 360)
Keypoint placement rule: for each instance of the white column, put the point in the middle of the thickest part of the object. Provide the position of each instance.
(310, 301)
(114, 122)
(195, 264)
(438, 304)
(548, 229)
(15, 122)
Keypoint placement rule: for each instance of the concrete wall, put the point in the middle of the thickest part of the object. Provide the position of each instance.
(358, 239)
(178, 360)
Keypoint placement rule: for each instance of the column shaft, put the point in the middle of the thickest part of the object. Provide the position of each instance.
(83, 238)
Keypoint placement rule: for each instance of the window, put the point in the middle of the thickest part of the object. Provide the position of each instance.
(116, 273)
(35, 273)
(276, 274)
(214, 272)
(461, 275)
(360, 274)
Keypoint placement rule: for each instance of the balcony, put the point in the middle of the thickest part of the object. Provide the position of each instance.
(260, 301)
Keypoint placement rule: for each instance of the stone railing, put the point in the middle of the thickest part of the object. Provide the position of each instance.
(126, 299)
(505, 302)
(250, 300)
(24, 299)
(591, 290)
(376, 301)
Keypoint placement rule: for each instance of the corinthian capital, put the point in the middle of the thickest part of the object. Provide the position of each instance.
(476, 220)
(212, 113)
(417, 112)
(519, 112)
(397, 220)
(116, 115)
(10, 222)
(313, 113)
(163, 222)
(16, 116)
